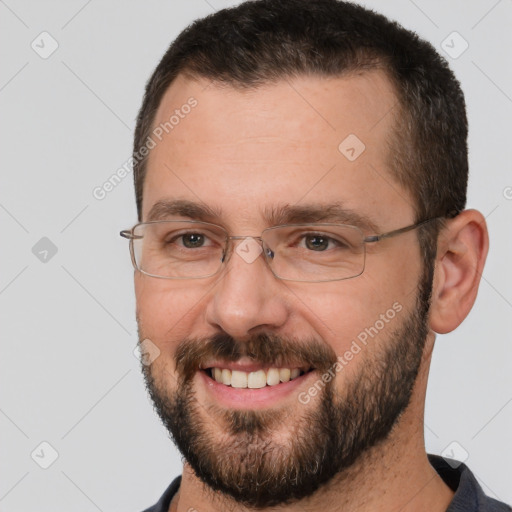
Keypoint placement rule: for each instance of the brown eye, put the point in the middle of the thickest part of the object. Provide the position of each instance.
(317, 242)
(193, 240)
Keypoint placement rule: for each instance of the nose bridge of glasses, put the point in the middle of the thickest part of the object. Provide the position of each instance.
(248, 238)
(243, 237)
(249, 249)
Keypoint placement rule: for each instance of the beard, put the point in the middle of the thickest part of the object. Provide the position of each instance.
(244, 453)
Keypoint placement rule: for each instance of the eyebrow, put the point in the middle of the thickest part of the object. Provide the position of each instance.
(273, 216)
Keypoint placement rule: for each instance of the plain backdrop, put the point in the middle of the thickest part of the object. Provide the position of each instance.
(69, 377)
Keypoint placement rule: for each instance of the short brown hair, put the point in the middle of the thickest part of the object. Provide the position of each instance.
(262, 41)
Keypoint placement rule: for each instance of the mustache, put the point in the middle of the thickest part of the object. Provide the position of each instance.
(263, 348)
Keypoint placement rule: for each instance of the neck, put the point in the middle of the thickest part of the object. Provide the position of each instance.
(393, 475)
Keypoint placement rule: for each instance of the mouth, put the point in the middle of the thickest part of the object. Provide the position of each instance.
(269, 377)
(258, 378)
(254, 390)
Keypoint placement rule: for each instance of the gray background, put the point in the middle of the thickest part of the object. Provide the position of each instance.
(68, 373)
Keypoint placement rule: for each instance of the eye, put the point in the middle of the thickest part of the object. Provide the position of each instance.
(320, 242)
(316, 242)
(191, 240)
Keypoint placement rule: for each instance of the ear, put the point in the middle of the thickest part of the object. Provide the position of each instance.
(461, 252)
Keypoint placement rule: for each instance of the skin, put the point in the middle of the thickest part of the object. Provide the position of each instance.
(241, 151)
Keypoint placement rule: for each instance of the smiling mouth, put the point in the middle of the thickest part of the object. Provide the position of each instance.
(254, 380)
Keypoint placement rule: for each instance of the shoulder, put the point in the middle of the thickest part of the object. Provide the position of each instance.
(163, 503)
(469, 496)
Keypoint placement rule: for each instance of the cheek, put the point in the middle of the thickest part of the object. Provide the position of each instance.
(344, 307)
(365, 310)
(165, 309)
(358, 325)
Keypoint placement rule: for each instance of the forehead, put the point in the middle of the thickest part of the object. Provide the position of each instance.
(246, 150)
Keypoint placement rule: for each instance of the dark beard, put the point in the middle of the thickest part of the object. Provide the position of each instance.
(247, 464)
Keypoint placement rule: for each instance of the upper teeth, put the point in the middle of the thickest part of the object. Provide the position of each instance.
(258, 379)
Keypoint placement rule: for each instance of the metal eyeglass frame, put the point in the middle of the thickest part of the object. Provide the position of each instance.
(129, 234)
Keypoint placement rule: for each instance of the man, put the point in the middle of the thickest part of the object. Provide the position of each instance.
(300, 173)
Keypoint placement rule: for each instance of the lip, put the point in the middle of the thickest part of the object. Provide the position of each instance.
(246, 398)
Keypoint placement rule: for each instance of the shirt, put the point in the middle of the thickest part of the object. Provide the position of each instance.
(468, 497)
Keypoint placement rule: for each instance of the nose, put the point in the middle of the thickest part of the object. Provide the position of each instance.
(247, 297)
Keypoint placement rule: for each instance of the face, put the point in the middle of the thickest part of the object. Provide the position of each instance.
(244, 154)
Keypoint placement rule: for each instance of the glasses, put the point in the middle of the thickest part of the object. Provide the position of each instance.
(318, 252)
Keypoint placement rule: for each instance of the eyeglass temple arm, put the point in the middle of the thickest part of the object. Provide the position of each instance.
(389, 234)
(127, 233)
